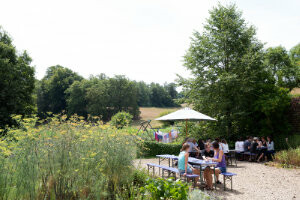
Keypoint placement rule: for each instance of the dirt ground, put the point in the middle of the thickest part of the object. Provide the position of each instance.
(254, 181)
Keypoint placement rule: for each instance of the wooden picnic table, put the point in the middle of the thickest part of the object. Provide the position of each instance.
(193, 161)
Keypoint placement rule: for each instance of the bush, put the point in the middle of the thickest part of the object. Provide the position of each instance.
(121, 120)
(165, 189)
(151, 149)
(288, 158)
(199, 195)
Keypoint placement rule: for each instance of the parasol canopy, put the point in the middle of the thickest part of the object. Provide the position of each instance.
(185, 114)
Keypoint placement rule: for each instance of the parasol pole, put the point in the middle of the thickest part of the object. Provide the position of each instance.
(186, 127)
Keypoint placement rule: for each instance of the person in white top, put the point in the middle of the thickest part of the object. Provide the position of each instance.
(270, 148)
(239, 146)
(225, 146)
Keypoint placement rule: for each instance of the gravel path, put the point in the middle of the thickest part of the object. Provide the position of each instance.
(254, 181)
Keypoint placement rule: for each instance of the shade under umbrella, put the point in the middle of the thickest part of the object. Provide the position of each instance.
(185, 114)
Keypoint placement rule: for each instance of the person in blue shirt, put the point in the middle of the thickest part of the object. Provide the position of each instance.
(183, 166)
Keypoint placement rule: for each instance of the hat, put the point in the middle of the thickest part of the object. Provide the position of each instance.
(255, 138)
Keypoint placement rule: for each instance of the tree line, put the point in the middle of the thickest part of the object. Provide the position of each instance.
(62, 90)
(236, 80)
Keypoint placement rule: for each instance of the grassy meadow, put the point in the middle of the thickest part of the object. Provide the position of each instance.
(150, 113)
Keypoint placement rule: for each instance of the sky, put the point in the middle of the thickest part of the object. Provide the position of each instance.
(142, 39)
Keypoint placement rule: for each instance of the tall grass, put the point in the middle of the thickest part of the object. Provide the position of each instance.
(65, 159)
(288, 158)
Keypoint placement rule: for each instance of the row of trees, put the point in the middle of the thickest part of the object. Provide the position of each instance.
(236, 80)
(64, 90)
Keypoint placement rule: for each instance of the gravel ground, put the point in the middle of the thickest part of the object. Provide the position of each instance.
(254, 181)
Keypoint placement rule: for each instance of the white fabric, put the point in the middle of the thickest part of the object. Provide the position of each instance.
(185, 114)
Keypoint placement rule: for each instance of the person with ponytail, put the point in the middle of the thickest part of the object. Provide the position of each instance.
(183, 166)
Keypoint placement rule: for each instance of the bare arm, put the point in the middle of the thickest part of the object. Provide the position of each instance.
(186, 161)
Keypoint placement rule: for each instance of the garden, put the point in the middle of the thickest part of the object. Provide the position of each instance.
(65, 136)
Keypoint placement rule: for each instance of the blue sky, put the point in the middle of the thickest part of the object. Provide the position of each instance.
(142, 39)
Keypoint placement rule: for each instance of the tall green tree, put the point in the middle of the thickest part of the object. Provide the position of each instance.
(16, 81)
(52, 91)
(143, 94)
(281, 66)
(229, 76)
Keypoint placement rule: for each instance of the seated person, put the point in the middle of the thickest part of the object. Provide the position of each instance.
(207, 152)
(253, 148)
(219, 157)
(263, 150)
(183, 166)
(270, 148)
(247, 144)
(239, 148)
(193, 150)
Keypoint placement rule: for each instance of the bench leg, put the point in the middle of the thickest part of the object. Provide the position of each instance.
(224, 180)
(231, 183)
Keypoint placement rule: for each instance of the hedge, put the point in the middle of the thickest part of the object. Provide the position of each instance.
(152, 148)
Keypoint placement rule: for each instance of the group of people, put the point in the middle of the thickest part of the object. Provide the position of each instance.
(209, 151)
(217, 151)
(262, 148)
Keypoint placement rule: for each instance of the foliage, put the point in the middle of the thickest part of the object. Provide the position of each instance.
(288, 158)
(65, 160)
(121, 120)
(157, 95)
(284, 70)
(103, 96)
(160, 97)
(51, 95)
(16, 81)
(231, 80)
(199, 195)
(151, 149)
(165, 189)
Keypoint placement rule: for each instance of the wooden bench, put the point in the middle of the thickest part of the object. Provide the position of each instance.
(172, 172)
(227, 176)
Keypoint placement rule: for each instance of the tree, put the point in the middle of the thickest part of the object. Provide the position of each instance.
(123, 95)
(226, 62)
(171, 88)
(76, 98)
(16, 81)
(143, 94)
(52, 91)
(281, 66)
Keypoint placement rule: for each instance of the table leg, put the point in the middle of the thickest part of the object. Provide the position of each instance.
(215, 177)
(159, 167)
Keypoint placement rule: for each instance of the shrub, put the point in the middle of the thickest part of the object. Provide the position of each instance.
(199, 195)
(288, 158)
(165, 189)
(151, 149)
(121, 120)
